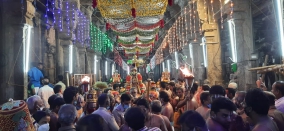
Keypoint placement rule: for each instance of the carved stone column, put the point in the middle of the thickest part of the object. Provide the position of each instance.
(82, 60)
(13, 80)
(66, 16)
(90, 61)
(99, 69)
(244, 41)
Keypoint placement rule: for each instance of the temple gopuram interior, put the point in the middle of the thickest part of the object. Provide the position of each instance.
(217, 41)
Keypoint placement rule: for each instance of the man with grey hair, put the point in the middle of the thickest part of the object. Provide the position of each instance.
(67, 117)
(156, 108)
(34, 104)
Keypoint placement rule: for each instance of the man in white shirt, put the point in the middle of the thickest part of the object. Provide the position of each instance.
(60, 79)
(45, 92)
(278, 91)
(104, 103)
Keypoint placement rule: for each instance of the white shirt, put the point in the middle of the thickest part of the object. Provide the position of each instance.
(108, 117)
(62, 85)
(280, 104)
(45, 92)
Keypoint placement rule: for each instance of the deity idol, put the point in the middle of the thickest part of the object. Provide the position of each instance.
(115, 78)
(135, 80)
(166, 76)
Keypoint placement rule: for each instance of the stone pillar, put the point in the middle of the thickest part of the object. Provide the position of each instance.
(82, 60)
(90, 67)
(244, 41)
(66, 16)
(214, 61)
(13, 80)
(212, 36)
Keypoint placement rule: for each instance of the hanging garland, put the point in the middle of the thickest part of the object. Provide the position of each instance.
(137, 32)
(138, 45)
(131, 42)
(136, 26)
(135, 37)
(99, 40)
(137, 49)
(146, 46)
(129, 8)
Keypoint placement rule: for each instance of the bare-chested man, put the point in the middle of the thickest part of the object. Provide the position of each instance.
(188, 102)
(152, 120)
(167, 109)
(221, 114)
(257, 107)
(156, 108)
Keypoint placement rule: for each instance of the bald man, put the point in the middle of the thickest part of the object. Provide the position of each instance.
(156, 108)
(67, 116)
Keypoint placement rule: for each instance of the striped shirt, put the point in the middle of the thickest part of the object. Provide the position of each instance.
(150, 129)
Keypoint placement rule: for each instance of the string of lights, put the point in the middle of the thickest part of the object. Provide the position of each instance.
(232, 9)
(67, 18)
(46, 11)
(99, 40)
(212, 9)
(194, 22)
(221, 13)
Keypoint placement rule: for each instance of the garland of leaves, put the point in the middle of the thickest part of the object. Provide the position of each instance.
(137, 32)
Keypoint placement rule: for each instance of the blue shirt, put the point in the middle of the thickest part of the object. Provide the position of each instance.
(35, 75)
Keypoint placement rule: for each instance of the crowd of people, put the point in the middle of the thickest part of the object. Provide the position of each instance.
(168, 106)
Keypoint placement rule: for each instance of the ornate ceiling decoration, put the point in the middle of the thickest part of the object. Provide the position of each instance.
(135, 22)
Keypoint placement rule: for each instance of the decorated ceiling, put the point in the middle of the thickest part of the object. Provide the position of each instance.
(135, 23)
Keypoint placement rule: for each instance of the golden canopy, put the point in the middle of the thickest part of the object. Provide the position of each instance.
(122, 8)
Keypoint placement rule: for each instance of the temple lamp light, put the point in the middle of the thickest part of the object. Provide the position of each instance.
(168, 65)
(106, 68)
(70, 59)
(128, 70)
(177, 61)
(279, 5)
(204, 51)
(27, 42)
(233, 40)
(191, 55)
(113, 68)
(95, 65)
(163, 66)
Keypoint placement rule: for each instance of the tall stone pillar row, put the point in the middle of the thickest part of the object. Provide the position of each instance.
(87, 10)
(244, 43)
(212, 36)
(13, 80)
(66, 16)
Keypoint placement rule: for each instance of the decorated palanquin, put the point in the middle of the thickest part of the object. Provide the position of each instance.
(115, 78)
(91, 101)
(166, 76)
(135, 80)
(15, 116)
